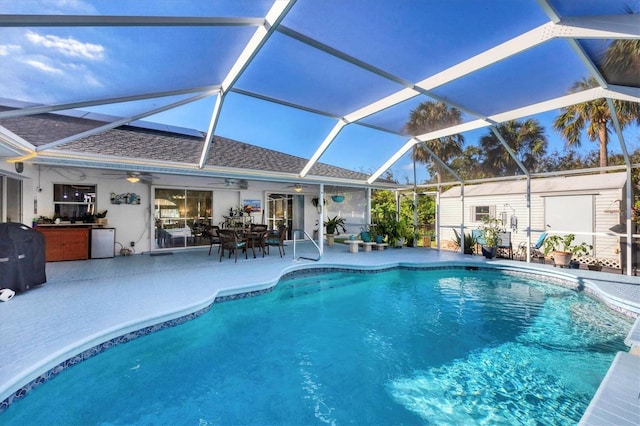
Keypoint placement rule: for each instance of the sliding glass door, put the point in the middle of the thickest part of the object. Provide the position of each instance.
(181, 217)
(285, 210)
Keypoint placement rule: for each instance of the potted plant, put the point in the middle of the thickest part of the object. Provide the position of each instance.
(394, 230)
(402, 230)
(101, 218)
(468, 245)
(377, 233)
(333, 226)
(595, 266)
(578, 251)
(316, 203)
(490, 232)
(562, 249)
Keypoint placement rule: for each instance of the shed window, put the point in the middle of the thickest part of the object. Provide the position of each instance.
(478, 213)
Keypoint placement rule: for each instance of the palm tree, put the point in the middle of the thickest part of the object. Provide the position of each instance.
(466, 164)
(525, 138)
(595, 117)
(430, 116)
(621, 63)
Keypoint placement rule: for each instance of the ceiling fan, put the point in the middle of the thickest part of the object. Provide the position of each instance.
(298, 187)
(133, 177)
(231, 183)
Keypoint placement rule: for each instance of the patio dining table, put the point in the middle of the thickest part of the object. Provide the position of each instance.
(253, 239)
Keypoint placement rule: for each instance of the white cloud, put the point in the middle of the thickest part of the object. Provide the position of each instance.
(53, 7)
(67, 46)
(42, 66)
(7, 49)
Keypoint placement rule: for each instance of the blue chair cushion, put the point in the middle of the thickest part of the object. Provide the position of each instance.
(479, 236)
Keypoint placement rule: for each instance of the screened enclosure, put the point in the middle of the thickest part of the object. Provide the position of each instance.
(472, 91)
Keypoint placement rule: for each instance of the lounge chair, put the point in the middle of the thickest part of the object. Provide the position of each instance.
(536, 253)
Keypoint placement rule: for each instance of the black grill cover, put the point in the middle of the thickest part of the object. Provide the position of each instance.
(22, 257)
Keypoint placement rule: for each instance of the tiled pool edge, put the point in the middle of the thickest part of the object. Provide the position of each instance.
(564, 280)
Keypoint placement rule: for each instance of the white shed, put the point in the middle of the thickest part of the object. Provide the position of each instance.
(583, 205)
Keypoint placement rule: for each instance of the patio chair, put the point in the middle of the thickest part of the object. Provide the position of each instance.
(229, 241)
(214, 238)
(536, 253)
(276, 238)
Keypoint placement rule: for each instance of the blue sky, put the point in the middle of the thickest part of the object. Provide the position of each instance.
(57, 65)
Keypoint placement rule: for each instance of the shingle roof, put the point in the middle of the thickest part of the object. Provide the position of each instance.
(140, 143)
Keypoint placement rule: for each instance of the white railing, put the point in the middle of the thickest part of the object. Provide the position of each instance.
(294, 232)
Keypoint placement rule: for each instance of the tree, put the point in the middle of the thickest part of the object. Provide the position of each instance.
(595, 117)
(428, 117)
(525, 138)
(466, 165)
(570, 160)
(621, 63)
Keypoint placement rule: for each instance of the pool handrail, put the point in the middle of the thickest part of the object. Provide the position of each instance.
(294, 232)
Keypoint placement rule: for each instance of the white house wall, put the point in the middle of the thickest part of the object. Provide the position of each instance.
(133, 222)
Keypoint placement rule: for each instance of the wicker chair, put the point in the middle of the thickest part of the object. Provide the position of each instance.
(276, 238)
(229, 241)
(214, 238)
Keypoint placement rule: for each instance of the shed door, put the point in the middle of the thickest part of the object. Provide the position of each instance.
(571, 214)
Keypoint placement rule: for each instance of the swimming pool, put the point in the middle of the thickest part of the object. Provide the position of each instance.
(400, 346)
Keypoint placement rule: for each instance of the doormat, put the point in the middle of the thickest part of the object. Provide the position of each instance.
(161, 253)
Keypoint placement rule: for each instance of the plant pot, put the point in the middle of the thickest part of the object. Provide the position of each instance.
(489, 252)
(330, 239)
(379, 239)
(595, 267)
(561, 258)
(399, 242)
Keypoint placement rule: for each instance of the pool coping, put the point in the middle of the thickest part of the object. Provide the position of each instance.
(14, 390)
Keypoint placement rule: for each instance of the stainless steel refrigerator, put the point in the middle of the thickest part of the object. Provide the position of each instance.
(103, 242)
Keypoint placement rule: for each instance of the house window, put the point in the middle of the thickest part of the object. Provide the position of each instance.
(478, 213)
(74, 202)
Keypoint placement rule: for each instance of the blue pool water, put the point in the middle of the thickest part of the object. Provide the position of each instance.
(397, 347)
